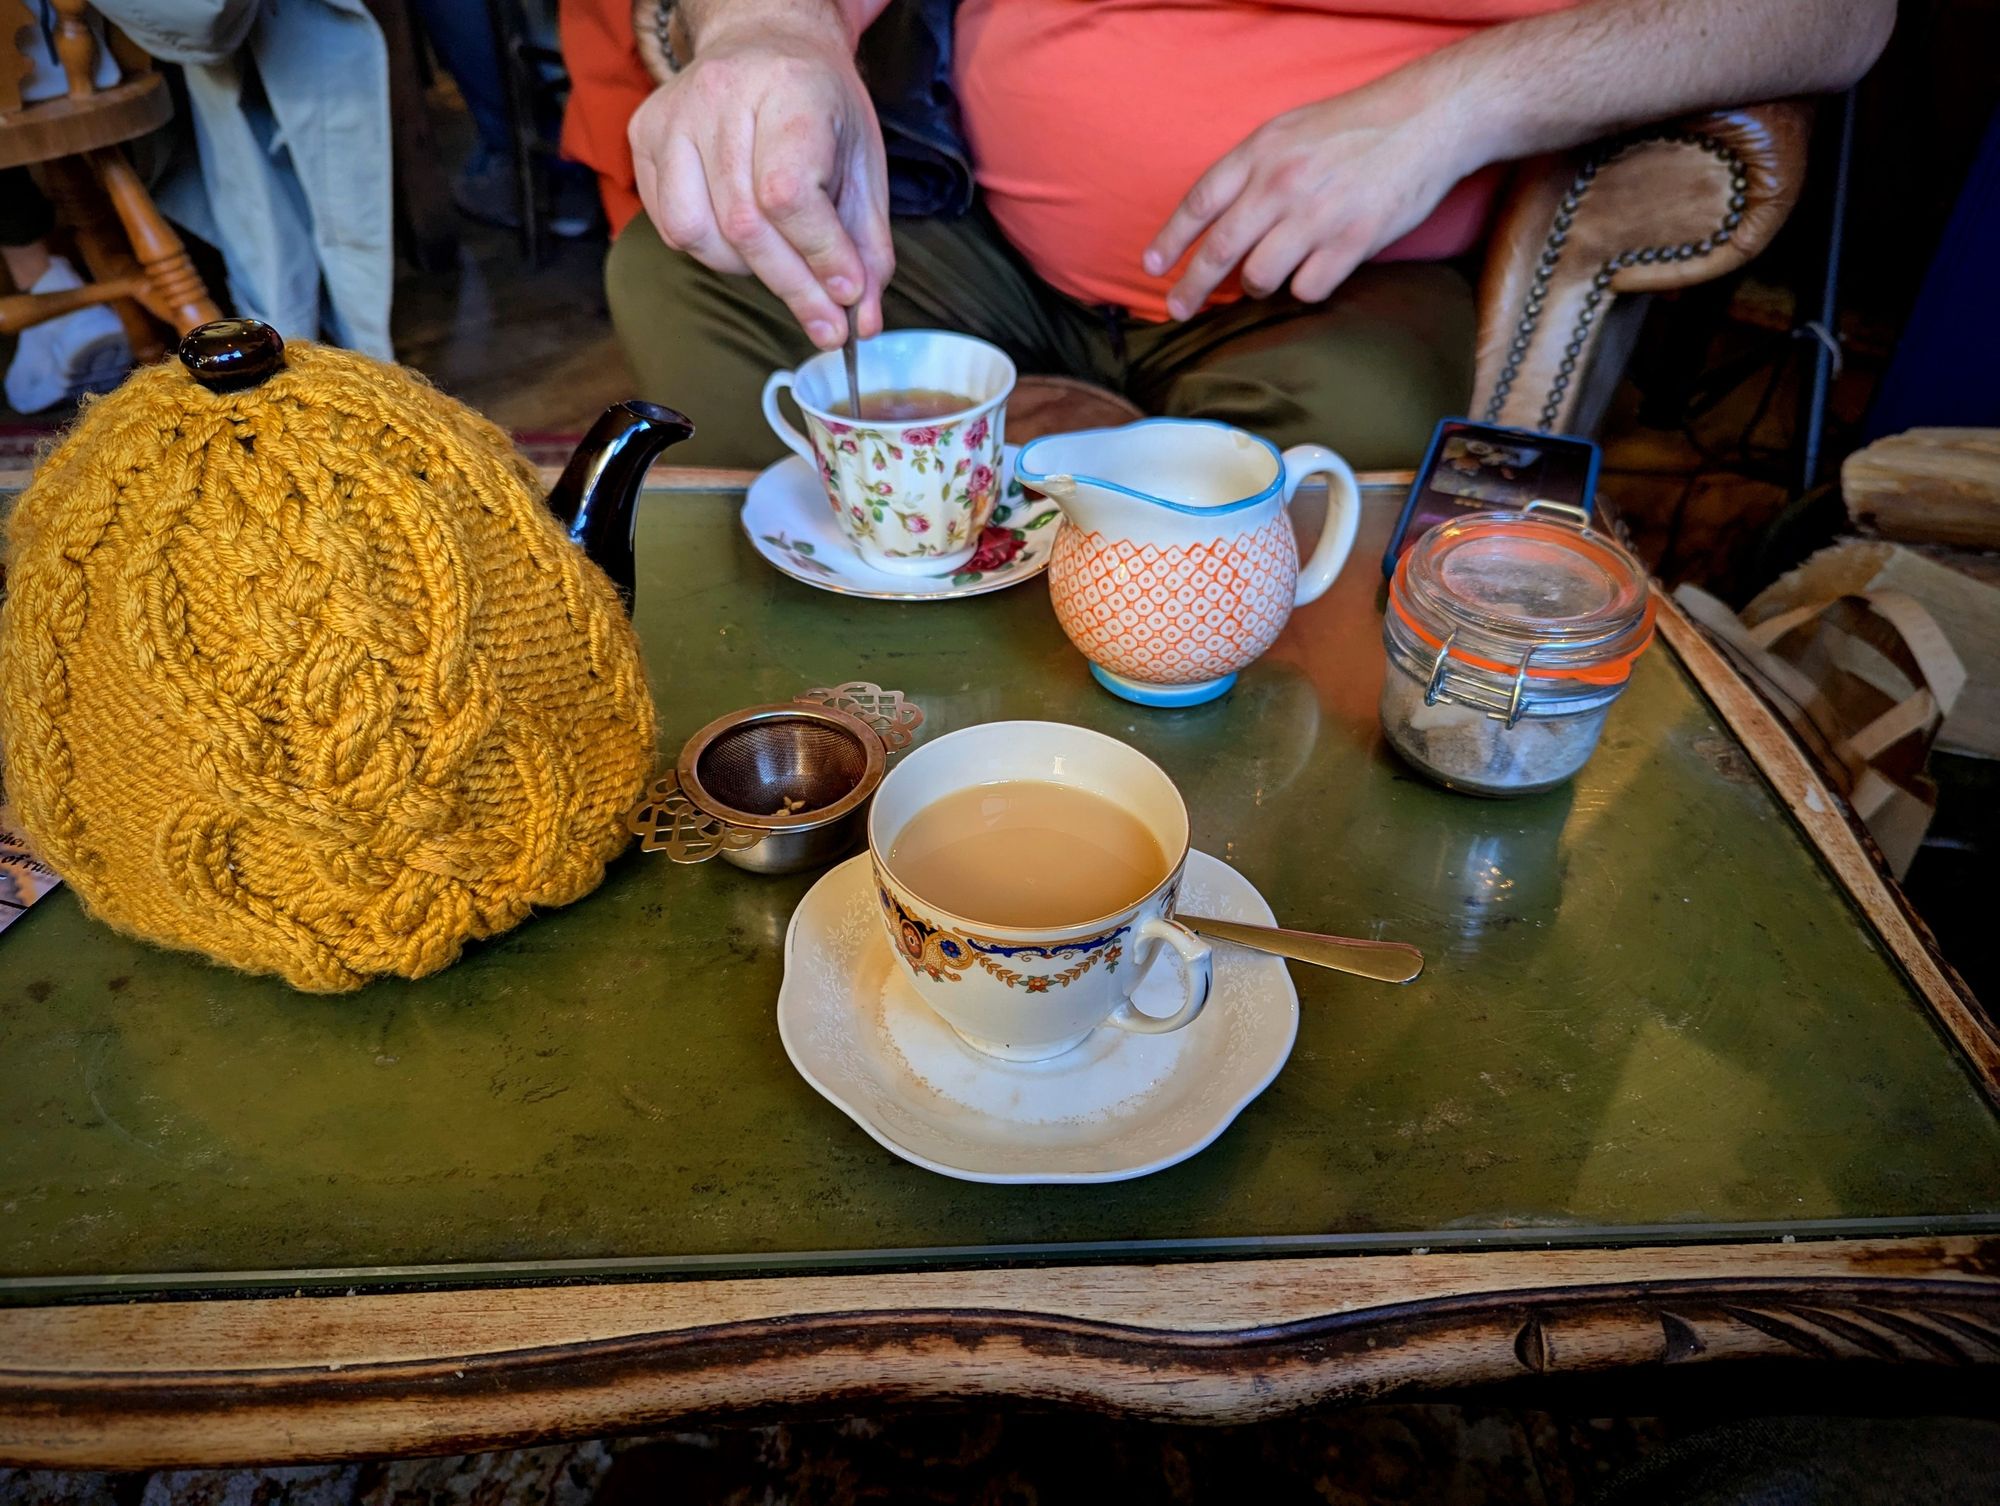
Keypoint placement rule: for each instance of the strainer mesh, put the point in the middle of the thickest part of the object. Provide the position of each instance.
(760, 766)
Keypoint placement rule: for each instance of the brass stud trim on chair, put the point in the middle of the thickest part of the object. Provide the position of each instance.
(1600, 283)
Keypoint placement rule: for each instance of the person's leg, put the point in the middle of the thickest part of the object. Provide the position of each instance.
(58, 358)
(461, 32)
(1368, 373)
(961, 274)
(705, 342)
(700, 342)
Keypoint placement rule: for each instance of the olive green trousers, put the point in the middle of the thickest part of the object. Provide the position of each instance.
(1369, 372)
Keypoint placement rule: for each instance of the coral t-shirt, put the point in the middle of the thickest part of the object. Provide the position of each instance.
(1089, 120)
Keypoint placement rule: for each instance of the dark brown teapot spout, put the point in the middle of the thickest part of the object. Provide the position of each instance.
(597, 496)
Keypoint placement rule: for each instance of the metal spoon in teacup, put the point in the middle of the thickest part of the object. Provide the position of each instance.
(850, 357)
(1384, 961)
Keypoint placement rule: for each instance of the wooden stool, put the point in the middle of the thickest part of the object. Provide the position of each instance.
(131, 253)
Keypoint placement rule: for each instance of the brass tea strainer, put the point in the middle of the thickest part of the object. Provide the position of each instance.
(779, 788)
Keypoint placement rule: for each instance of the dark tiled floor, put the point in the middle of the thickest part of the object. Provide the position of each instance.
(529, 346)
(1368, 1456)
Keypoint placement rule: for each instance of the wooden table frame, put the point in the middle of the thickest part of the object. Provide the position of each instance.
(298, 1378)
(285, 1378)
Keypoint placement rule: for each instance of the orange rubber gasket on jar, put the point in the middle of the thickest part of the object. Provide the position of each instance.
(1614, 671)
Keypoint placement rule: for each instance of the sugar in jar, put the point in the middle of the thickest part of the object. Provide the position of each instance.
(1509, 637)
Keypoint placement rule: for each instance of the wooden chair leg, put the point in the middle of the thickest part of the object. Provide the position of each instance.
(104, 254)
(76, 47)
(175, 292)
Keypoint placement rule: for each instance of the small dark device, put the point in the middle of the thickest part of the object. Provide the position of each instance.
(1483, 468)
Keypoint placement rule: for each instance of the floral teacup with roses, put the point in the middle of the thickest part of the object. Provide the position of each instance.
(911, 495)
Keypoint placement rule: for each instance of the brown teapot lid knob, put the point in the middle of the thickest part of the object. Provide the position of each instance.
(226, 354)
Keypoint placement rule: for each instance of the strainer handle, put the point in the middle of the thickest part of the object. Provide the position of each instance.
(894, 719)
(665, 820)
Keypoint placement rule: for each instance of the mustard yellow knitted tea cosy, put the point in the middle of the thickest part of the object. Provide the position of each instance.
(305, 676)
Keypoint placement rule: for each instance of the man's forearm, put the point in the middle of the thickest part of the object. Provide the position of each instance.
(845, 18)
(1558, 80)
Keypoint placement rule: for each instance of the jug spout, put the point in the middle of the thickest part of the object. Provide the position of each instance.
(1066, 468)
(1132, 481)
(1054, 459)
(597, 496)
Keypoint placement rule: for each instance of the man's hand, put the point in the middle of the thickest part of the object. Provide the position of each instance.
(1307, 198)
(764, 156)
(1318, 191)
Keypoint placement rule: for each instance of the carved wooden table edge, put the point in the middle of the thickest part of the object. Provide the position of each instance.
(299, 1378)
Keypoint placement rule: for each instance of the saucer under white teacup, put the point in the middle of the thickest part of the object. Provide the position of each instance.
(787, 520)
(1118, 1106)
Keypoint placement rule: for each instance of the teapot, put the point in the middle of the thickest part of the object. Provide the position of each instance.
(298, 672)
(1177, 565)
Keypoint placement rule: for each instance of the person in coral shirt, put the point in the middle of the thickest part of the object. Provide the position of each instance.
(1250, 210)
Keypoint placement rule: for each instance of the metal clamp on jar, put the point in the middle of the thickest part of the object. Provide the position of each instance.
(1509, 635)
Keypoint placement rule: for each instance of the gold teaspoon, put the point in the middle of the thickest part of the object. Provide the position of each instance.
(1384, 961)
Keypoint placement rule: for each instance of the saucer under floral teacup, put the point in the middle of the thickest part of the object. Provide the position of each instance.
(786, 517)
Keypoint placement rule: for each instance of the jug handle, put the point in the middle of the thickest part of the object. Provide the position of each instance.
(1343, 515)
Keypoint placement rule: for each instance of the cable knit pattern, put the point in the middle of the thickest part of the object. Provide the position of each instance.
(305, 677)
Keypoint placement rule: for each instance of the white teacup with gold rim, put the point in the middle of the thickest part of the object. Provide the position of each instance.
(911, 493)
(973, 875)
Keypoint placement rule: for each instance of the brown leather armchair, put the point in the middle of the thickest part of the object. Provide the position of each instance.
(1581, 237)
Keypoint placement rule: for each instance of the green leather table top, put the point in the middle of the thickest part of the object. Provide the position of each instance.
(1649, 1012)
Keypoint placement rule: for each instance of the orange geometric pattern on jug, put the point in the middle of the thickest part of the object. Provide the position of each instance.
(1175, 614)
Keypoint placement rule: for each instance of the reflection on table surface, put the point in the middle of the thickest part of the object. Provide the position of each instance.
(1646, 1005)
